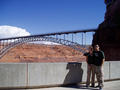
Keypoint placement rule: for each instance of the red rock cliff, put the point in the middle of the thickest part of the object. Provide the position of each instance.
(108, 33)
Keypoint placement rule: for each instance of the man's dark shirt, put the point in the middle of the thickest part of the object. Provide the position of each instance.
(90, 58)
(98, 57)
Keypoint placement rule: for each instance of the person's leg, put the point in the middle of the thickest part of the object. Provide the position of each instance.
(88, 75)
(99, 75)
(93, 75)
(101, 80)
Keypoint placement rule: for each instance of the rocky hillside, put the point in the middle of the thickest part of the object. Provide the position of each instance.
(108, 33)
(42, 53)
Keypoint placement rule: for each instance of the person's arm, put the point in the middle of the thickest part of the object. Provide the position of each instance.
(103, 56)
(86, 55)
(103, 61)
(87, 59)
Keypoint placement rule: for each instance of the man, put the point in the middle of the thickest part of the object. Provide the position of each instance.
(99, 59)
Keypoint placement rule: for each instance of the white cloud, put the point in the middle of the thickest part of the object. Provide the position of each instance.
(11, 31)
(46, 43)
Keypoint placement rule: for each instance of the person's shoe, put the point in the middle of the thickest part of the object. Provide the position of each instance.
(100, 88)
(92, 86)
(97, 86)
(87, 86)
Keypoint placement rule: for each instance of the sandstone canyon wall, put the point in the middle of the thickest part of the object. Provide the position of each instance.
(108, 33)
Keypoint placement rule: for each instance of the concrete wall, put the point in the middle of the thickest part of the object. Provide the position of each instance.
(25, 75)
(54, 73)
(13, 75)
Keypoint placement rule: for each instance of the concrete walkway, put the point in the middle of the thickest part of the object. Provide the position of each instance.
(112, 85)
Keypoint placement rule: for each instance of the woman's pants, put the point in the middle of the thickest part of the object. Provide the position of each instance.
(90, 72)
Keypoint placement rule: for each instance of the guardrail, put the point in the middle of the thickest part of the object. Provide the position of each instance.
(31, 75)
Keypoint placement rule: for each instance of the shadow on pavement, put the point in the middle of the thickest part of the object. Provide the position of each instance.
(81, 87)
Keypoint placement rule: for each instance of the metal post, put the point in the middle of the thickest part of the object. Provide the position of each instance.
(64, 36)
(85, 38)
(60, 38)
(82, 39)
(72, 37)
(75, 37)
(56, 36)
(6, 43)
(68, 37)
(0, 45)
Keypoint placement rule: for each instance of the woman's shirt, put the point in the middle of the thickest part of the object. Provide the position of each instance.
(90, 59)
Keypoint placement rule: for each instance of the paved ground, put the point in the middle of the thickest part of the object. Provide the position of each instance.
(113, 85)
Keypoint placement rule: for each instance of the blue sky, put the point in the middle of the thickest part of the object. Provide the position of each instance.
(45, 16)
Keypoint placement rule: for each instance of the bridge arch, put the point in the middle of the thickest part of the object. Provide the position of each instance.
(19, 41)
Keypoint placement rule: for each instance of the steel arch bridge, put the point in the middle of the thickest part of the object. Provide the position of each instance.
(8, 43)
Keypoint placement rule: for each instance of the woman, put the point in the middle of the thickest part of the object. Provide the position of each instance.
(90, 67)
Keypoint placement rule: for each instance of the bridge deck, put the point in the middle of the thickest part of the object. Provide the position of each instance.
(112, 85)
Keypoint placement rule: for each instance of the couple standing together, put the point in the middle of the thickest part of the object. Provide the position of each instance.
(95, 59)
